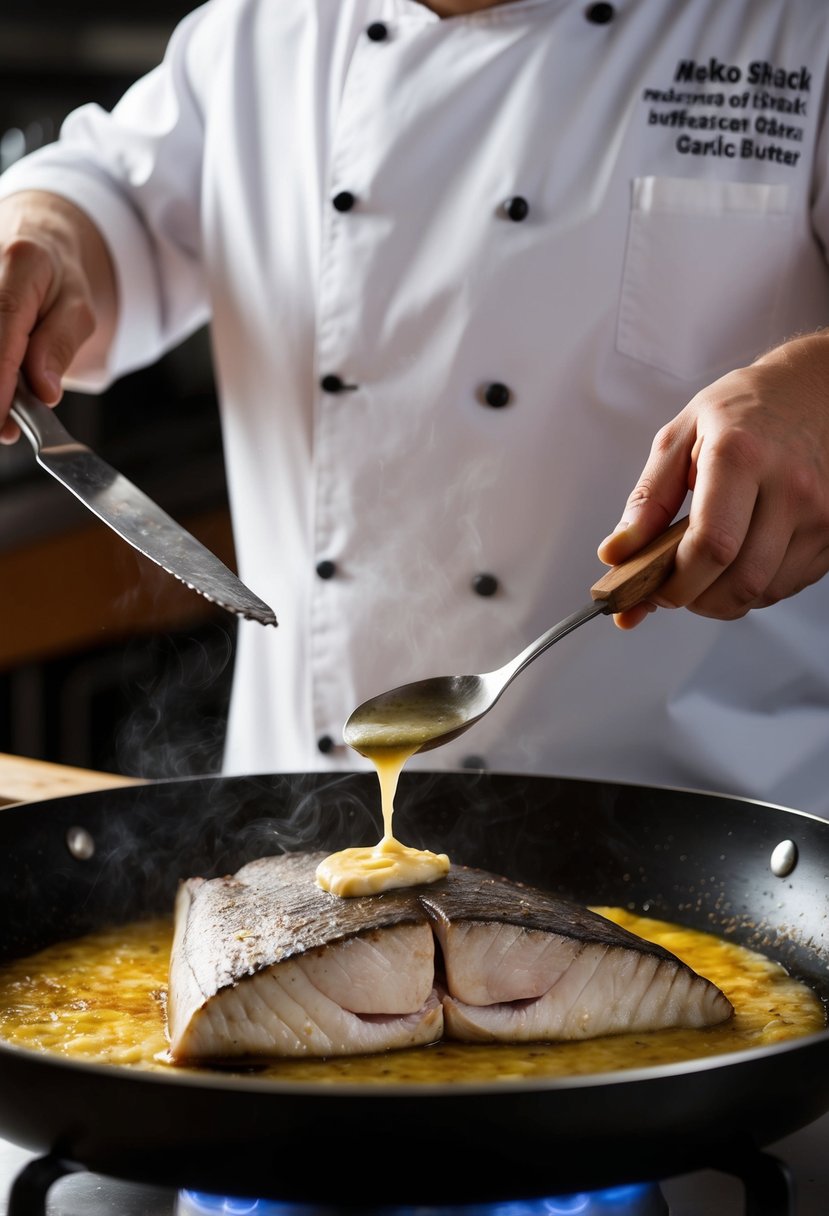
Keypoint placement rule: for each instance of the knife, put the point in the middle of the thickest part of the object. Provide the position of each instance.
(129, 512)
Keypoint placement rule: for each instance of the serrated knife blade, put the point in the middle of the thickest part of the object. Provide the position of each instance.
(130, 512)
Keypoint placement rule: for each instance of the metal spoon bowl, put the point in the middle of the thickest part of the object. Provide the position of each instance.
(428, 713)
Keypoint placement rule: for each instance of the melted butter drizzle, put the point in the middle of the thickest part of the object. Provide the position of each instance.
(368, 870)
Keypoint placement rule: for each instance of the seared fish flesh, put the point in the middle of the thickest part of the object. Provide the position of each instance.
(266, 964)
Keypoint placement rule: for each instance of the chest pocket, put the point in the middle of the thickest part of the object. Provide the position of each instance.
(704, 265)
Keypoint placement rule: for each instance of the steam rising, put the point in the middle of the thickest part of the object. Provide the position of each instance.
(177, 726)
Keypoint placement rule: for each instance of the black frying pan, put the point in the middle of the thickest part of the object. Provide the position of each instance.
(700, 859)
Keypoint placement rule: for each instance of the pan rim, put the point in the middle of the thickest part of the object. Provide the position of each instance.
(149, 783)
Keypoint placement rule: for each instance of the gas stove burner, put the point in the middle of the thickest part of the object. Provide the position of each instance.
(641, 1199)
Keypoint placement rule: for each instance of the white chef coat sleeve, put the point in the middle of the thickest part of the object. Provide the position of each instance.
(137, 173)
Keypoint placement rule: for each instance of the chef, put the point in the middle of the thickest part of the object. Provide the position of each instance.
(482, 279)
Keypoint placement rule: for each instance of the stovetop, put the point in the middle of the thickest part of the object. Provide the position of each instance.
(704, 1193)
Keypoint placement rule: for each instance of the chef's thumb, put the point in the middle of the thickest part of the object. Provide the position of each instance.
(46, 362)
(642, 521)
(44, 380)
(47, 385)
(55, 342)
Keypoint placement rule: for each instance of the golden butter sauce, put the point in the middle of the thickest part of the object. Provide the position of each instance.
(372, 869)
(101, 999)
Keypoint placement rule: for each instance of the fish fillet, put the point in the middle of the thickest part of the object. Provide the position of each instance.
(266, 964)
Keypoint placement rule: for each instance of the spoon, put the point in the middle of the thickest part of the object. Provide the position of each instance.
(427, 713)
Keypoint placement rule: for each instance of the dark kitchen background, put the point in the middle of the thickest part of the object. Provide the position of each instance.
(106, 661)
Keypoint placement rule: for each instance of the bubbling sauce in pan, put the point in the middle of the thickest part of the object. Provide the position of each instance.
(101, 999)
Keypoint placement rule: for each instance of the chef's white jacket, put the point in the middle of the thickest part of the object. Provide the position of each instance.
(458, 272)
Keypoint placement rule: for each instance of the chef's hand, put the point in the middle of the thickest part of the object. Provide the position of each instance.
(57, 296)
(754, 449)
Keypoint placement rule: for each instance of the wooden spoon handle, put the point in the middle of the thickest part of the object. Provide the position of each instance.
(626, 585)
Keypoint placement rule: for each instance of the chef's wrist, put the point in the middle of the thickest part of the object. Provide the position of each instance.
(805, 355)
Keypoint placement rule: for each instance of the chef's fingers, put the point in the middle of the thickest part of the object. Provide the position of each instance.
(703, 556)
(726, 492)
(633, 616)
(25, 277)
(775, 563)
(47, 317)
(56, 273)
(800, 569)
(752, 550)
(56, 339)
(41, 325)
(659, 492)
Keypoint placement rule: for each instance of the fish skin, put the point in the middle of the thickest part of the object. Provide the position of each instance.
(266, 963)
(275, 910)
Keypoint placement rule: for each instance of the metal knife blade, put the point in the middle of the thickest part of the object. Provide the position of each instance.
(130, 512)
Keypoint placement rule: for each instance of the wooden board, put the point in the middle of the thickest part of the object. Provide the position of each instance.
(25, 780)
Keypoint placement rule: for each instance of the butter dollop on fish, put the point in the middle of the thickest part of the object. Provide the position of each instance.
(377, 868)
(266, 964)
